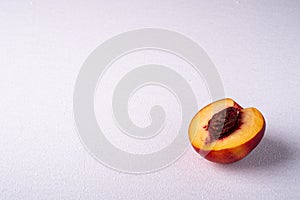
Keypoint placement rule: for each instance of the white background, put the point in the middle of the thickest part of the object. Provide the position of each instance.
(255, 46)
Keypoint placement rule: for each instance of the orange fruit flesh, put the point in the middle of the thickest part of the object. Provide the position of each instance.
(252, 122)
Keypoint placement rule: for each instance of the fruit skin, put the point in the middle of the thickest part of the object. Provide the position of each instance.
(232, 154)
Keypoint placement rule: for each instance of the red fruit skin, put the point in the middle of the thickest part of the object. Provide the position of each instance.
(227, 156)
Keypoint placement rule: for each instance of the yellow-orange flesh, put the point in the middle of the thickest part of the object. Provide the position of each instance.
(251, 123)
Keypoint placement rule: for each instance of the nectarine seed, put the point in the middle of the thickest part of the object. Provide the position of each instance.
(221, 123)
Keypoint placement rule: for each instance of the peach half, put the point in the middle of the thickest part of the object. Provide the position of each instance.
(224, 132)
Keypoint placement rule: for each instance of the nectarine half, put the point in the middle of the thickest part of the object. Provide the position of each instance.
(224, 132)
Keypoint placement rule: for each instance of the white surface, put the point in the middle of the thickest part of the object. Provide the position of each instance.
(254, 44)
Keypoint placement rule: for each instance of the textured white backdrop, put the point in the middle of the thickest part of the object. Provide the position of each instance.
(255, 46)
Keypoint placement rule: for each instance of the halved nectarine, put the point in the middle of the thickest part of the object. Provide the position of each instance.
(224, 132)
